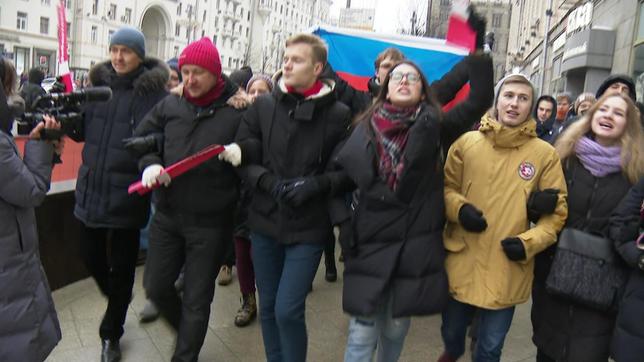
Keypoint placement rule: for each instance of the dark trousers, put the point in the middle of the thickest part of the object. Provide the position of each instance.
(176, 240)
(244, 262)
(110, 257)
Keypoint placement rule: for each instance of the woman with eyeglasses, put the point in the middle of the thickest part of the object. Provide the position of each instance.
(394, 259)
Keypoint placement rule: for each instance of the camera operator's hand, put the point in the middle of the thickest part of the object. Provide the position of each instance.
(49, 122)
(154, 175)
(59, 146)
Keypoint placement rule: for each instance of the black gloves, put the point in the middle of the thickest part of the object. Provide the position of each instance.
(478, 24)
(471, 218)
(269, 183)
(542, 203)
(513, 248)
(298, 191)
(140, 146)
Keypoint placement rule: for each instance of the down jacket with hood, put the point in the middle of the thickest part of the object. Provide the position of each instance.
(286, 136)
(108, 168)
(495, 169)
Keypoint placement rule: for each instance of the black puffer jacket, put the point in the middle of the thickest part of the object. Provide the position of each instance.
(212, 187)
(108, 168)
(29, 92)
(626, 224)
(289, 137)
(398, 234)
(562, 329)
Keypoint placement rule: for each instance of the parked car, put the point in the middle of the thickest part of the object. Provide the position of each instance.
(47, 83)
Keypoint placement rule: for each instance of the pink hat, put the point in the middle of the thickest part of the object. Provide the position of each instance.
(202, 53)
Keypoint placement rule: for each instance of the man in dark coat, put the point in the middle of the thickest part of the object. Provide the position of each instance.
(544, 114)
(285, 143)
(110, 216)
(625, 228)
(32, 88)
(193, 222)
(29, 328)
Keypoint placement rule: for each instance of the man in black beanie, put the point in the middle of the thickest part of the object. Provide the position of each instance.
(110, 218)
(32, 88)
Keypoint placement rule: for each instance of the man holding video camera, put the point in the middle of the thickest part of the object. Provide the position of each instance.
(111, 219)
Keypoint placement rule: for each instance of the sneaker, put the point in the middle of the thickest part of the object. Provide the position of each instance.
(225, 275)
(247, 312)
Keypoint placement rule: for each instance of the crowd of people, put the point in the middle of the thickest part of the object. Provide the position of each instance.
(453, 212)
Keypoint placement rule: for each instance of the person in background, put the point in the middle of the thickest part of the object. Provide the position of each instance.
(564, 102)
(544, 114)
(259, 84)
(29, 327)
(617, 83)
(175, 75)
(583, 103)
(602, 158)
(32, 89)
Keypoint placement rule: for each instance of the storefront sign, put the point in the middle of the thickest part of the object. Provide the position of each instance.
(579, 18)
(581, 49)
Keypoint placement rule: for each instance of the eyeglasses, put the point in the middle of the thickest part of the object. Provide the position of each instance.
(412, 78)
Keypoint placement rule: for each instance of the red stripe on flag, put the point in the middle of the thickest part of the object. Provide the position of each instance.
(460, 96)
(357, 82)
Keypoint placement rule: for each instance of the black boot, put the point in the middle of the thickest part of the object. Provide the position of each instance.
(110, 351)
(331, 274)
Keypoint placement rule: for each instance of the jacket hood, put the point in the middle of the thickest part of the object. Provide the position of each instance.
(554, 107)
(508, 137)
(153, 78)
(36, 76)
(614, 79)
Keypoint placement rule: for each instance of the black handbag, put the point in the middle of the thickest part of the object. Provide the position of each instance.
(587, 270)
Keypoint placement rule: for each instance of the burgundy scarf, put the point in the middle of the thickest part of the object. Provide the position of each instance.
(315, 89)
(210, 97)
(391, 128)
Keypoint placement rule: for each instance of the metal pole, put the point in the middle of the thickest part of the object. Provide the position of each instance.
(544, 52)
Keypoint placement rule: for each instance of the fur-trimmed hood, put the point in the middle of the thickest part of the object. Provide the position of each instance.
(154, 77)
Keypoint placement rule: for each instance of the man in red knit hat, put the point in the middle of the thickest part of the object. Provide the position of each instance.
(193, 224)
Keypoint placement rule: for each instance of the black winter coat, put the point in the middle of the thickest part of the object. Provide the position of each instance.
(398, 234)
(289, 137)
(211, 188)
(625, 227)
(29, 93)
(108, 168)
(562, 329)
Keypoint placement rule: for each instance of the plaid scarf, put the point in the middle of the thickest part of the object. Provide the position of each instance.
(391, 129)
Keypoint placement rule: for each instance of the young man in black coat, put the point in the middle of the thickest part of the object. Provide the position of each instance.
(109, 216)
(285, 143)
(193, 222)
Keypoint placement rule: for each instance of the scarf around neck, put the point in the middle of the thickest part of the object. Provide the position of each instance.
(209, 97)
(597, 159)
(391, 129)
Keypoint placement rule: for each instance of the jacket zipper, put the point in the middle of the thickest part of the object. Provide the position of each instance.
(22, 247)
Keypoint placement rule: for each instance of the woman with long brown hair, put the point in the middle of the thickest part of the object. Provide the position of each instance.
(394, 261)
(602, 158)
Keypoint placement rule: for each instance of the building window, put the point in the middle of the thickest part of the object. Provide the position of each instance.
(204, 16)
(179, 9)
(127, 18)
(445, 2)
(203, 33)
(44, 25)
(109, 36)
(69, 29)
(95, 7)
(214, 39)
(21, 59)
(496, 20)
(94, 34)
(187, 33)
(176, 50)
(45, 2)
(177, 30)
(112, 13)
(247, 31)
(22, 21)
(189, 11)
(68, 4)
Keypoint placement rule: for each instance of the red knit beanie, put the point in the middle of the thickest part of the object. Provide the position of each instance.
(202, 53)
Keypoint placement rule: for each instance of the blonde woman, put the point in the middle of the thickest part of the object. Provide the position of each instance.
(602, 158)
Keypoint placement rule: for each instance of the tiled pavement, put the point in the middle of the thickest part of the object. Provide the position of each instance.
(80, 307)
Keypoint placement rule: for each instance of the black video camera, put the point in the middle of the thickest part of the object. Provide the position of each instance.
(65, 107)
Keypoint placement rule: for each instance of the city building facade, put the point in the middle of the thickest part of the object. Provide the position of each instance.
(362, 19)
(498, 16)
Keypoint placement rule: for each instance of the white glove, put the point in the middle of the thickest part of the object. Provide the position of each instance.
(232, 154)
(153, 175)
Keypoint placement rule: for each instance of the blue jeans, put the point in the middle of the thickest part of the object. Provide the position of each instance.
(493, 327)
(381, 330)
(284, 274)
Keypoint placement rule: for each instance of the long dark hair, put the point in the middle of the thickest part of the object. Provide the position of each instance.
(427, 96)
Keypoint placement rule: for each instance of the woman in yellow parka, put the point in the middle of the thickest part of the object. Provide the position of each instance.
(489, 175)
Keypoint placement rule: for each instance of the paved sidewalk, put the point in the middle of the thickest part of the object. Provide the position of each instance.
(80, 307)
